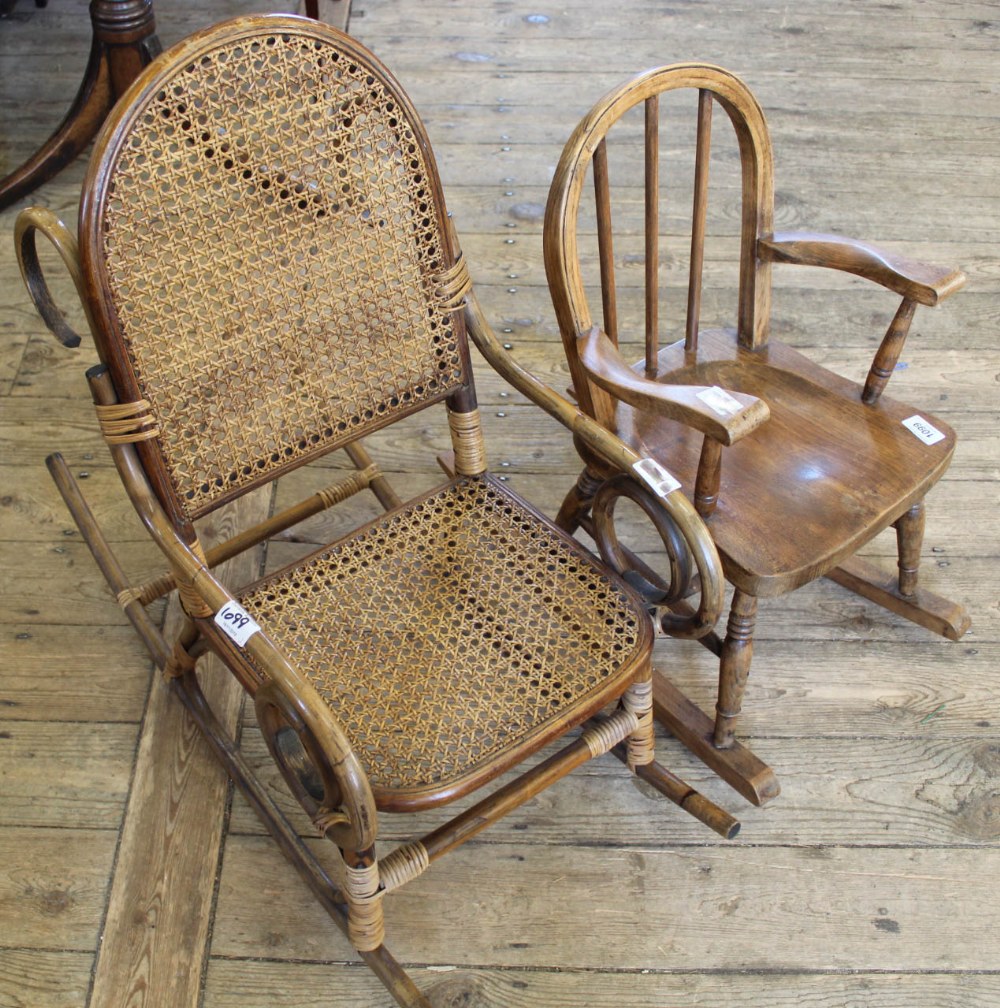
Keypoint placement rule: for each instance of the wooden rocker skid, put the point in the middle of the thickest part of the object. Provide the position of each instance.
(744, 771)
(737, 765)
(923, 607)
(741, 768)
(183, 681)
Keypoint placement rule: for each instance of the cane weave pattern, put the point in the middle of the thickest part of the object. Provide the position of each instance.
(447, 633)
(273, 252)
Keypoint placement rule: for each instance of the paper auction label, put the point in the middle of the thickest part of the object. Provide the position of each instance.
(656, 477)
(927, 432)
(236, 623)
(720, 401)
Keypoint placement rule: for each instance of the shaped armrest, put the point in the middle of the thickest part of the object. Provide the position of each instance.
(688, 404)
(921, 282)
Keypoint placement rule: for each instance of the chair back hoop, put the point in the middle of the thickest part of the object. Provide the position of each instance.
(264, 238)
(586, 147)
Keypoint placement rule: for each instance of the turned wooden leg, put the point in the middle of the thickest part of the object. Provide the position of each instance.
(90, 106)
(734, 667)
(909, 539)
(901, 593)
(577, 501)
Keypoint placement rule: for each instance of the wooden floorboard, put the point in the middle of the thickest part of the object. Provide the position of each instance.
(154, 946)
(243, 984)
(793, 908)
(871, 882)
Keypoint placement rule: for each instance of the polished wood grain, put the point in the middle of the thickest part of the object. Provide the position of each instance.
(123, 42)
(805, 467)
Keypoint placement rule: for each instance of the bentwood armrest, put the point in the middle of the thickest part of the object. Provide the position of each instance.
(700, 407)
(612, 449)
(606, 444)
(924, 283)
(295, 690)
(33, 220)
(297, 696)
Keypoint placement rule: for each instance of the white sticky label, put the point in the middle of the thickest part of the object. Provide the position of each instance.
(927, 433)
(720, 401)
(236, 623)
(656, 477)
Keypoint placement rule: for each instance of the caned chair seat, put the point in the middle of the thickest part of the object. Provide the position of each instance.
(469, 640)
(814, 414)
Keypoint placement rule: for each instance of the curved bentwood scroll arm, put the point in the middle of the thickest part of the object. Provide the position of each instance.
(29, 223)
(335, 793)
(662, 596)
(676, 518)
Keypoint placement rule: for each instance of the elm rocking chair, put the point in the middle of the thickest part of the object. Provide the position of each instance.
(793, 467)
(269, 274)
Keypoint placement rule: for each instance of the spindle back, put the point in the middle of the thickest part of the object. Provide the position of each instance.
(586, 153)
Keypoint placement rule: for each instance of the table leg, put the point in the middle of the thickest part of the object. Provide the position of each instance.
(124, 41)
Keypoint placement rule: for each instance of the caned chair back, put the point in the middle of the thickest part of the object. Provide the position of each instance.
(265, 235)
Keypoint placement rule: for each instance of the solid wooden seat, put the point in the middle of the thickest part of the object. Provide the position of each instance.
(794, 468)
(853, 466)
(270, 275)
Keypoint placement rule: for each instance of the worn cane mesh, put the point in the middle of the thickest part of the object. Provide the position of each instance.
(449, 632)
(273, 254)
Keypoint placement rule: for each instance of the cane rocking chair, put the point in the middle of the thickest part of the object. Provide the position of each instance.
(793, 467)
(269, 275)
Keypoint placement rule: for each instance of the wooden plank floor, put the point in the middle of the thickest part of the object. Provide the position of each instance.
(874, 880)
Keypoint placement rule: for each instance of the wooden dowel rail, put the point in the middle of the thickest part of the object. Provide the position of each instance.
(106, 560)
(379, 485)
(683, 795)
(475, 819)
(156, 587)
(702, 152)
(652, 212)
